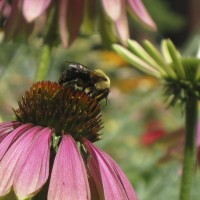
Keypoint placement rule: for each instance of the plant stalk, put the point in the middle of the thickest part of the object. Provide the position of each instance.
(191, 120)
(49, 40)
(43, 67)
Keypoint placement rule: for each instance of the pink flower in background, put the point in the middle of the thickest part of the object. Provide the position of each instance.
(116, 11)
(50, 145)
(67, 17)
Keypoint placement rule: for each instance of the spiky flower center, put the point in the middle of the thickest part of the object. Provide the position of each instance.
(63, 109)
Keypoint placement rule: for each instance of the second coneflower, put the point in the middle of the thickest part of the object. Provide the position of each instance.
(48, 152)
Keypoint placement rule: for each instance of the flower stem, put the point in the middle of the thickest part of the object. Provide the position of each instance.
(49, 40)
(191, 118)
(43, 67)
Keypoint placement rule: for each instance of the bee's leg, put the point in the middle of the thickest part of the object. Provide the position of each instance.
(93, 92)
(98, 95)
(101, 94)
(71, 83)
(88, 90)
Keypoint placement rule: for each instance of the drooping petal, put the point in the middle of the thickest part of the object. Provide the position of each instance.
(113, 8)
(122, 178)
(108, 176)
(69, 178)
(34, 8)
(2, 4)
(35, 171)
(6, 128)
(16, 20)
(74, 20)
(5, 8)
(12, 159)
(95, 194)
(198, 134)
(122, 25)
(139, 10)
(12, 137)
(70, 19)
(62, 20)
(5, 125)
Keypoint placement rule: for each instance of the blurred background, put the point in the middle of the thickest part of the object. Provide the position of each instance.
(143, 135)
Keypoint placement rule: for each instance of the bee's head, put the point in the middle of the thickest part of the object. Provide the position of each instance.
(104, 81)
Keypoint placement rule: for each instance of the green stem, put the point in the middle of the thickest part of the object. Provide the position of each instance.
(43, 67)
(191, 112)
(1, 118)
(49, 40)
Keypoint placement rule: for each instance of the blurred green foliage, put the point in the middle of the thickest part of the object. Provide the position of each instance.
(164, 16)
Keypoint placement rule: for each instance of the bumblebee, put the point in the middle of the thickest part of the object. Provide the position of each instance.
(95, 82)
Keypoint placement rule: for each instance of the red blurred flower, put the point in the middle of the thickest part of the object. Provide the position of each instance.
(154, 131)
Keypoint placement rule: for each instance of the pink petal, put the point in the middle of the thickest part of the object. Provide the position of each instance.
(74, 22)
(122, 25)
(108, 176)
(12, 137)
(122, 178)
(198, 134)
(70, 19)
(5, 8)
(113, 8)
(12, 159)
(6, 128)
(62, 20)
(138, 8)
(69, 177)
(34, 173)
(9, 124)
(34, 8)
(2, 5)
(16, 25)
(93, 189)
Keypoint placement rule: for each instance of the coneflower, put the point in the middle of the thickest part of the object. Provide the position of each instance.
(48, 152)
